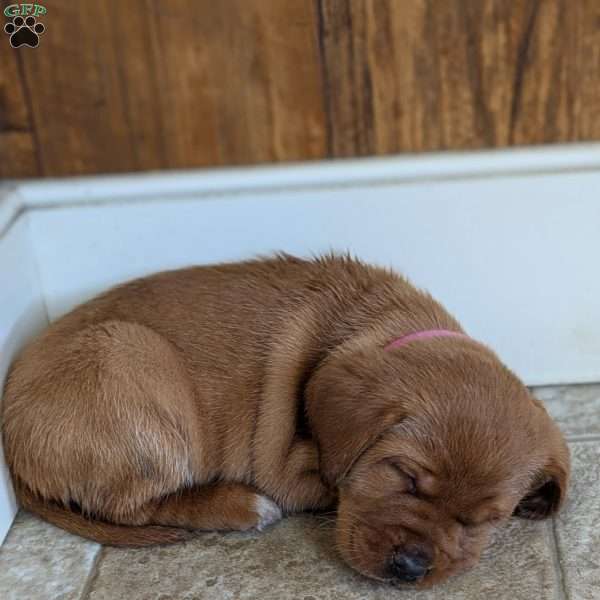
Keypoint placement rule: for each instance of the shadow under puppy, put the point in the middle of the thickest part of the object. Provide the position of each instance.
(218, 397)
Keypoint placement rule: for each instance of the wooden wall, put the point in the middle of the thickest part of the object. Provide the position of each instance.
(128, 85)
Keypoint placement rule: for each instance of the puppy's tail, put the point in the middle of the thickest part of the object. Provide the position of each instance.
(99, 531)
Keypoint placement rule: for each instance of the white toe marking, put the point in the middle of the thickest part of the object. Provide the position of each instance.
(268, 512)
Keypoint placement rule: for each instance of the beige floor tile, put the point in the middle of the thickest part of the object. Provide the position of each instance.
(40, 562)
(578, 526)
(295, 560)
(575, 407)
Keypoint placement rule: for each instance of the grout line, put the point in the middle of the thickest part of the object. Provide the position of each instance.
(559, 572)
(92, 575)
(583, 437)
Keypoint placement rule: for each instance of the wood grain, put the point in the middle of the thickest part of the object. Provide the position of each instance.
(123, 86)
(149, 84)
(241, 81)
(17, 139)
(460, 74)
(73, 81)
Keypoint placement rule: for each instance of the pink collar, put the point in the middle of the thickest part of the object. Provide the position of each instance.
(423, 335)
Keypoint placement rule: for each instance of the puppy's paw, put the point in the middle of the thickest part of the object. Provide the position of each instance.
(267, 512)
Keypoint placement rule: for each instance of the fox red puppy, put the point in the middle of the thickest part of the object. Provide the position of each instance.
(222, 397)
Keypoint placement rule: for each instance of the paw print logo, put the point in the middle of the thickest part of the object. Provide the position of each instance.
(24, 32)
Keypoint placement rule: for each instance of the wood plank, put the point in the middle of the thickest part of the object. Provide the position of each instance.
(456, 74)
(144, 85)
(560, 95)
(17, 140)
(17, 155)
(147, 84)
(75, 92)
(240, 81)
(139, 81)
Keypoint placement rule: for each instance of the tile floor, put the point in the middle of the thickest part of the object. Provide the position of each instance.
(552, 560)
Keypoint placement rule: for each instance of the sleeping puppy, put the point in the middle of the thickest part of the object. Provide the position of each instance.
(219, 397)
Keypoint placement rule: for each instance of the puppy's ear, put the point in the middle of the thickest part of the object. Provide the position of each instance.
(345, 415)
(549, 489)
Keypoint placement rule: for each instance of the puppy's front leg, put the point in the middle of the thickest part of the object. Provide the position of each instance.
(223, 506)
(286, 466)
(302, 479)
(292, 476)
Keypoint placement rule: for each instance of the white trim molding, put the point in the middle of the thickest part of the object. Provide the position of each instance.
(508, 240)
(515, 230)
(343, 173)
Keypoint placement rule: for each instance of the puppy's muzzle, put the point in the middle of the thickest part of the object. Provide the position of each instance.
(409, 566)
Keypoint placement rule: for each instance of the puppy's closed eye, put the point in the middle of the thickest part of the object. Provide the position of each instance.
(410, 482)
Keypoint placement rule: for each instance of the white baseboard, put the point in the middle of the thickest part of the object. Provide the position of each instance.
(22, 315)
(508, 240)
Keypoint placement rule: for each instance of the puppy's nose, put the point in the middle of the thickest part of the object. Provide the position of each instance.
(409, 566)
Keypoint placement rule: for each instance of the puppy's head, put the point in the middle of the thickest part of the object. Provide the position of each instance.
(431, 446)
